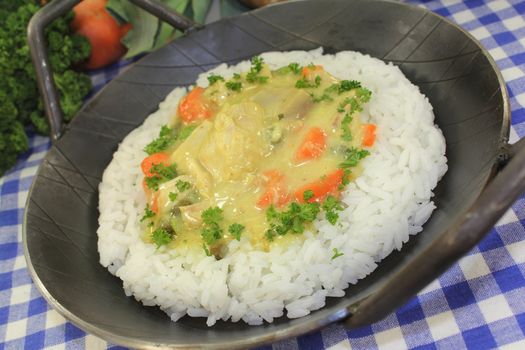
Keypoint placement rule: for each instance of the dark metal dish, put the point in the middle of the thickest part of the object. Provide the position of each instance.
(450, 67)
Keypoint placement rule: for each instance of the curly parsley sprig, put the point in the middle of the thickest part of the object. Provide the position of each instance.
(213, 78)
(161, 173)
(212, 230)
(253, 76)
(161, 236)
(292, 220)
(167, 137)
(148, 213)
(235, 230)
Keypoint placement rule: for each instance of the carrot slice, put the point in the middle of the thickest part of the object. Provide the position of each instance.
(275, 192)
(194, 107)
(310, 71)
(145, 186)
(155, 158)
(325, 186)
(369, 135)
(313, 145)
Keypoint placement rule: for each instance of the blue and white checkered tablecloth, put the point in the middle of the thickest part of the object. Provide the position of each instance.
(478, 304)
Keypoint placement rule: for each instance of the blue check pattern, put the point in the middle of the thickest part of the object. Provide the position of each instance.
(479, 303)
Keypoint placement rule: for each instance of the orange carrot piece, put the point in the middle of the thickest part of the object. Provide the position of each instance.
(313, 145)
(310, 71)
(369, 135)
(325, 186)
(194, 107)
(155, 158)
(154, 202)
(273, 196)
(275, 192)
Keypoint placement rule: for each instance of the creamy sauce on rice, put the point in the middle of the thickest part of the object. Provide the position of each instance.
(262, 140)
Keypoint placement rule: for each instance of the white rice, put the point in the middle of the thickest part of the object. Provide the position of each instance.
(389, 202)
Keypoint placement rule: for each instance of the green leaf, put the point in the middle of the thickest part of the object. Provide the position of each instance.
(117, 8)
(200, 10)
(145, 26)
(167, 32)
(148, 32)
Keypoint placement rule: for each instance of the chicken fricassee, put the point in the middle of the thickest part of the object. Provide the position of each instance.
(257, 156)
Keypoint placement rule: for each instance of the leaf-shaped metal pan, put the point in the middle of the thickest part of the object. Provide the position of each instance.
(450, 67)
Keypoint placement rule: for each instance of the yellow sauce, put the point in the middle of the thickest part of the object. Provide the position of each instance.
(253, 131)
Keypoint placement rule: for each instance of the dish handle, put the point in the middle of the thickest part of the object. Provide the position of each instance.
(43, 70)
(497, 197)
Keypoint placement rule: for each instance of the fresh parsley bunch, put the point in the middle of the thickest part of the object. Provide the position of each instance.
(20, 103)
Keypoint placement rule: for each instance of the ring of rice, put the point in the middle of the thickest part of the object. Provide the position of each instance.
(386, 204)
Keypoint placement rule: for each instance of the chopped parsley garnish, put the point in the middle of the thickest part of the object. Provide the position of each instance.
(161, 237)
(308, 194)
(345, 127)
(206, 250)
(166, 138)
(161, 173)
(212, 215)
(337, 253)
(280, 116)
(305, 83)
(332, 88)
(148, 213)
(236, 76)
(256, 78)
(253, 75)
(347, 85)
(331, 206)
(234, 85)
(352, 157)
(182, 185)
(363, 94)
(186, 131)
(324, 97)
(327, 94)
(257, 62)
(235, 230)
(291, 220)
(213, 78)
(172, 196)
(269, 235)
(294, 68)
(345, 180)
(354, 104)
(212, 231)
